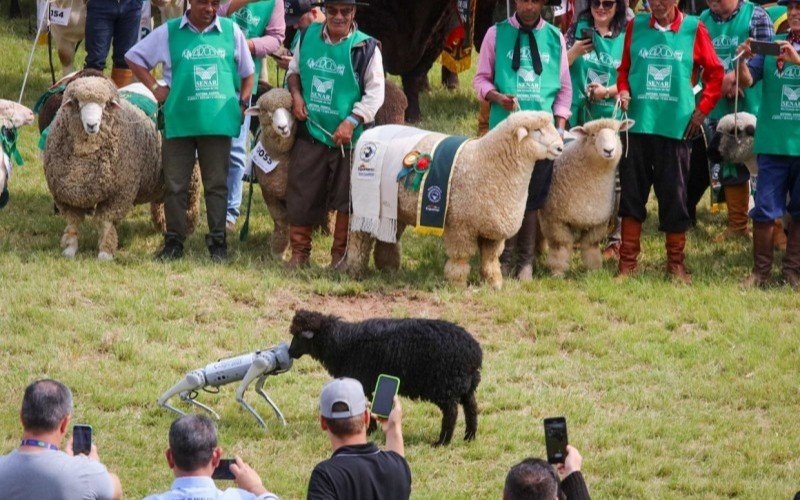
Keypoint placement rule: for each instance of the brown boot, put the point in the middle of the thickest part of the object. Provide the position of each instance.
(526, 244)
(629, 246)
(121, 77)
(483, 118)
(300, 243)
(339, 247)
(791, 259)
(676, 242)
(737, 199)
(762, 255)
(779, 236)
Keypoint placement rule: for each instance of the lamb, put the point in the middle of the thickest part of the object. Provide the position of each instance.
(435, 360)
(12, 116)
(489, 185)
(581, 199)
(104, 154)
(735, 146)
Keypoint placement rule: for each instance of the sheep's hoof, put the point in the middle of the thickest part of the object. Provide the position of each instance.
(525, 272)
(557, 274)
(105, 256)
(70, 252)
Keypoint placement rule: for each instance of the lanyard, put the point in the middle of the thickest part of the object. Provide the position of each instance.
(40, 444)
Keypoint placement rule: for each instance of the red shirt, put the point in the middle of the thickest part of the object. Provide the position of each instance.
(704, 56)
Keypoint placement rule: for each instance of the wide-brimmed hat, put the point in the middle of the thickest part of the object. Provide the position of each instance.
(346, 2)
(787, 2)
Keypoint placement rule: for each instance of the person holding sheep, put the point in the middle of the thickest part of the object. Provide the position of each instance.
(662, 53)
(263, 25)
(206, 63)
(337, 84)
(777, 145)
(523, 65)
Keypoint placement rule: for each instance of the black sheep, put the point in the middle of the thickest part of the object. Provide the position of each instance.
(435, 360)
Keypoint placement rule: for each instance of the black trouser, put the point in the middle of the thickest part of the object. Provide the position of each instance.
(178, 156)
(663, 164)
(539, 187)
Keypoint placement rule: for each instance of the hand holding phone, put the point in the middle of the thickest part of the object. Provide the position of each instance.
(765, 48)
(587, 33)
(81, 439)
(385, 390)
(555, 439)
(223, 470)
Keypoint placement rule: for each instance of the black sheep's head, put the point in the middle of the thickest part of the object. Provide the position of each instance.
(306, 328)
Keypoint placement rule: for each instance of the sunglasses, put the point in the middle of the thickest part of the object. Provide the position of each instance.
(606, 4)
(335, 11)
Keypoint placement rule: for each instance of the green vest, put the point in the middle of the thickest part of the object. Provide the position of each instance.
(330, 87)
(253, 19)
(534, 92)
(202, 98)
(660, 77)
(726, 36)
(598, 66)
(778, 130)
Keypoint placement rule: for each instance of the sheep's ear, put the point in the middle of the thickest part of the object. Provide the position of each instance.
(252, 110)
(626, 124)
(578, 132)
(750, 130)
(69, 103)
(114, 104)
(306, 334)
(521, 133)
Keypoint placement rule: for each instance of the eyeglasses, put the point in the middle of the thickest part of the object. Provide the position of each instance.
(605, 4)
(335, 11)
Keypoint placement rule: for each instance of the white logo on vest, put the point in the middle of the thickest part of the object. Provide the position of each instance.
(595, 77)
(322, 89)
(525, 55)
(204, 51)
(605, 59)
(725, 42)
(659, 78)
(247, 17)
(661, 52)
(326, 65)
(790, 72)
(206, 78)
(789, 98)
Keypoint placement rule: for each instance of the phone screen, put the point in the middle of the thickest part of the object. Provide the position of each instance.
(385, 390)
(765, 48)
(81, 439)
(587, 34)
(555, 438)
(223, 470)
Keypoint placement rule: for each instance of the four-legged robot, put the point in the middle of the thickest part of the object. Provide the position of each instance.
(247, 367)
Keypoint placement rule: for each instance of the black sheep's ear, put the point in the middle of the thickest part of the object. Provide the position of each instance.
(750, 130)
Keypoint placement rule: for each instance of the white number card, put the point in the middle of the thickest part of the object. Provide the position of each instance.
(59, 16)
(262, 159)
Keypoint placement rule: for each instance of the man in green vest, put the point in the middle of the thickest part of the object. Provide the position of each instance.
(337, 85)
(523, 65)
(206, 66)
(729, 23)
(263, 25)
(663, 53)
(777, 145)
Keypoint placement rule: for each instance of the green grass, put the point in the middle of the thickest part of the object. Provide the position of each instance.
(670, 392)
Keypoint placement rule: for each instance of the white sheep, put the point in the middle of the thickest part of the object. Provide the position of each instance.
(67, 32)
(733, 141)
(581, 198)
(12, 116)
(104, 154)
(488, 188)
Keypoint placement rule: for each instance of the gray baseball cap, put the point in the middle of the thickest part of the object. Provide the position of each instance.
(342, 390)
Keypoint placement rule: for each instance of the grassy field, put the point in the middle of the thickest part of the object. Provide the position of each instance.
(669, 391)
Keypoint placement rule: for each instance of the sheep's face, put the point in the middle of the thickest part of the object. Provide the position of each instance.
(90, 97)
(604, 136)
(14, 115)
(274, 110)
(306, 328)
(734, 139)
(534, 134)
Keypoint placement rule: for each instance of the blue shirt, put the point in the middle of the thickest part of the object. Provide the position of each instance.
(203, 488)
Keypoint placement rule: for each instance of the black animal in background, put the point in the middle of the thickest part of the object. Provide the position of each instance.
(435, 360)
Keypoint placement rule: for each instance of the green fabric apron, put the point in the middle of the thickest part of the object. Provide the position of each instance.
(253, 19)
(726, 36)
(202, 99)
(534, 92)
(330, 88)
(598, 66)
(778, 131)
(660, 77)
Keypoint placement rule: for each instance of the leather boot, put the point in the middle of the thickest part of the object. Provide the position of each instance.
(779, 236)
(762, 254)
(676, 269)
(508, 259)
(526, 244)
(339, 247)
(121, 77)
(791, 260)
(737, 199)
(483, 118)
(300, 243)
(629, 247)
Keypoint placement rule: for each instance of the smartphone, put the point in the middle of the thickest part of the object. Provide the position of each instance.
(765, 48)
(555, 438)
(587, 33)
(385, 390)
(223, 470)
(81, 439)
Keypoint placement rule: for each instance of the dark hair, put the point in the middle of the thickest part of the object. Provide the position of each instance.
(192, 439)
(45, 403)
(618, 22)
(531, 479)
(344, 426)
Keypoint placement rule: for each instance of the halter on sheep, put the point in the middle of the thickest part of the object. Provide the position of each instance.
(12, 116)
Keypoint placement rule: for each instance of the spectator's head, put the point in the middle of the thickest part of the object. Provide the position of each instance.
(46, 407)
(610, 13)
(531, 479)
(662, 9)
(528, 11)
(193, 447)
(201, 13)
(343, 409)
(300, 13)
(792, 13)
(339, 15)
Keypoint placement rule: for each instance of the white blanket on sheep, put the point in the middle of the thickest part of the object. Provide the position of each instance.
(377, 159)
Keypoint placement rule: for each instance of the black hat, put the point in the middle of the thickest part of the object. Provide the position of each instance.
(294, 9)
(345, 2)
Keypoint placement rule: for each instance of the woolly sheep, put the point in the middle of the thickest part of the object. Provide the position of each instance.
(489, 185)
(734, 146)
(12, 116)
(104, 154)
(49, 108)
(581, 198)
(435, 360)
(67, 37)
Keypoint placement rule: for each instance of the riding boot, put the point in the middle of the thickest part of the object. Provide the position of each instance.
(763, 250)
(676, 269)
(629, 247)
(121, 77)
(779, 236)
(791, 259)
(737, 199)
(526, 244)
(300, 243)
(339, 247)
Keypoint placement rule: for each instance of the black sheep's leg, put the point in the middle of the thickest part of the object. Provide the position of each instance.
(373, 424)
(449, 416)
(470, 415)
